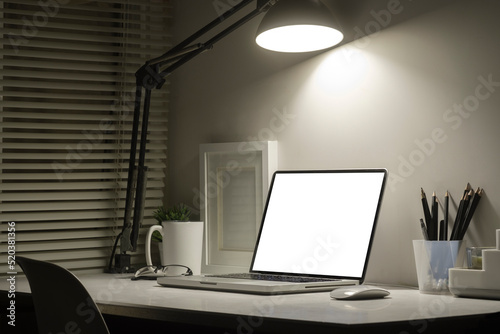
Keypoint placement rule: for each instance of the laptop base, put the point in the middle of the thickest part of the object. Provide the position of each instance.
(250, 286)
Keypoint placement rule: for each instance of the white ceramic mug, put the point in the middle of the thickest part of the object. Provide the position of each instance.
(182, 244)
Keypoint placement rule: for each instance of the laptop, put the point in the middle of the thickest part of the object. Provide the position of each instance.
(316, 234)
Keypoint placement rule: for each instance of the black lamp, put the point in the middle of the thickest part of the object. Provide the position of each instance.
(295, 14)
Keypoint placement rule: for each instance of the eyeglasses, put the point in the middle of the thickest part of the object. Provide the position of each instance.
(153, 272)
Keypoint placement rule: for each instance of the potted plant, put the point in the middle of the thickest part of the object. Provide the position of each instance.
(178, 212)
(179, 239)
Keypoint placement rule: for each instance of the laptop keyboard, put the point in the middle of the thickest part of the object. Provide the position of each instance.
(271, 277)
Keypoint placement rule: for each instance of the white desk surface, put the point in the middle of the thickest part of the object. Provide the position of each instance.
(118, 295)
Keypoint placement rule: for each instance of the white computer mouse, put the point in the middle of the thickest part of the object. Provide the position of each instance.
(357, 292)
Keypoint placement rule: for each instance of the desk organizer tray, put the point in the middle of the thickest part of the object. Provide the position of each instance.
(484, 283)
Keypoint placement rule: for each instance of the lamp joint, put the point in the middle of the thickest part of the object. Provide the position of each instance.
(149, 77)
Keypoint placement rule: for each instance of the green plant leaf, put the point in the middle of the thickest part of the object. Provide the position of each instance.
(156, 236)
(178, 212)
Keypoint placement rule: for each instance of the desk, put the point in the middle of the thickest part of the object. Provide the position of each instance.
(404, 311)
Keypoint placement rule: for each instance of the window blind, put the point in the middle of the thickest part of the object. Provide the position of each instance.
(67, 94)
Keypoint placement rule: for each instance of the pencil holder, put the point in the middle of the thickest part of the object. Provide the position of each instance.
(433, 259)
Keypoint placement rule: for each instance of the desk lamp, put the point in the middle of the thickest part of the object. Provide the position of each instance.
(289, 26)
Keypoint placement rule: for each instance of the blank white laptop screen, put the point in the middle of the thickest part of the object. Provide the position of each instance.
(319, 223)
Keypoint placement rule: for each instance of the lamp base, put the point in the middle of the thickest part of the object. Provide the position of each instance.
(122, 264)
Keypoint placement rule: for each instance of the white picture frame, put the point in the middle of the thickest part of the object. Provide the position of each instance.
(234, 181)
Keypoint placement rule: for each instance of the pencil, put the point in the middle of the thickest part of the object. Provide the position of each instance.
(424, 229)
(467, 201)
(456, 224)
(446, 207)
(434, 233)
(442, 230)
(468, 188)
(425, 206)
(470, 212)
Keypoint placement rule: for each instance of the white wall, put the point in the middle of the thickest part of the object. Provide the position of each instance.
(391, 100)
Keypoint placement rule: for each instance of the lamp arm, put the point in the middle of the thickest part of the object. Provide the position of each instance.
(262, 6)
(184, 44)
(151, 76)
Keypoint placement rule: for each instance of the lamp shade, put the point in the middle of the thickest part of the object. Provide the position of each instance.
(298, 26)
